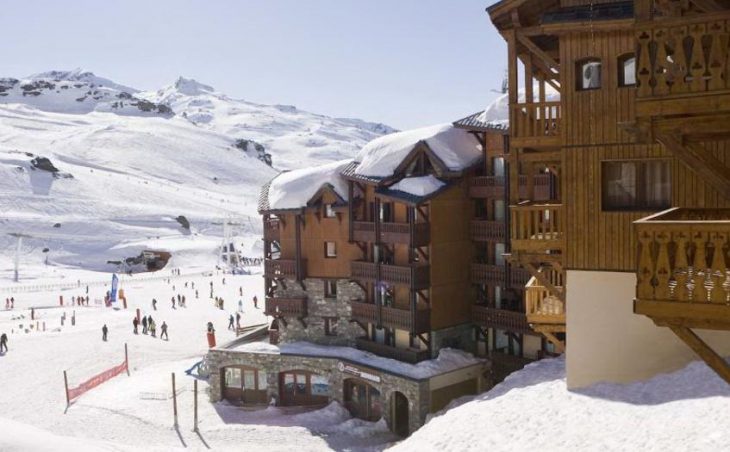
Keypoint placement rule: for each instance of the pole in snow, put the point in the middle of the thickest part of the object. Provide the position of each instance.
(174, 401)
(195, 405)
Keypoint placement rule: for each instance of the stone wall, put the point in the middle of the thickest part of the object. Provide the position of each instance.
(319, 307)
(416, 391)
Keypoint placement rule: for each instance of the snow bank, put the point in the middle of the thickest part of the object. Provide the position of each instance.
(294, 189)
(456, 148)
(533, 410)
(418, 186)
(497, 113)
(20, 437)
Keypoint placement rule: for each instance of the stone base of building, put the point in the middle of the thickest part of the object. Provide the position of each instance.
(367, 391)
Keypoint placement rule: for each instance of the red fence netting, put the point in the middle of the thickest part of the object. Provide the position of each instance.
(96, 380)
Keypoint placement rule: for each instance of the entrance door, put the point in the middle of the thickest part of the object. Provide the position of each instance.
(362, 400)
(399, 405)
(244, 385)
(303, 388)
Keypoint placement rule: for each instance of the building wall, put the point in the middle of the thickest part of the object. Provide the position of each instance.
(319, 307)
(608, 342)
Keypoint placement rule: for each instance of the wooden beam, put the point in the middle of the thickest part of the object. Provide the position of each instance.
(699, 160)
(708, 355)
(538, 52)
(547, 156)
(559, 346)
(542, 279)
(708, 6)
(711, 316)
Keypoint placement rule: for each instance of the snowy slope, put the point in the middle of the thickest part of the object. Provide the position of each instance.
(533, 410)
(293, 137)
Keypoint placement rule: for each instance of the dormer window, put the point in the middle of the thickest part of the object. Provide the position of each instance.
(420, 166)
(588, 74)
(329, 211)
(627, 70)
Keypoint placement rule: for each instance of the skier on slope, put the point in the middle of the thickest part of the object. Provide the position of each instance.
(3, 342)
(135, 324)
(144, 325)
(163, 330)
(238, 320)
(230, 322)
(173, 303)
(104, 331)
(153, 328)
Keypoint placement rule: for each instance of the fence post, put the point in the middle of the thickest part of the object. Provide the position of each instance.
(174, 400)
(65, 385)
(195, 405)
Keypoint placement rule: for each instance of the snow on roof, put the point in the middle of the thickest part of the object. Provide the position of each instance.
(447, 360)
(497, 113)
(418, 186)
(294, 189)
(456, 148)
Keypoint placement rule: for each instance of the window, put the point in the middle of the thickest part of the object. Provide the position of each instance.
(330, 326)
(498, 165)
(330, 250)
(386, 212)
(330, 289)
(627, 70)
(329, 211)
(233, 377)
(636, 185)
(588, 74)
(249, 379)
(320, 385)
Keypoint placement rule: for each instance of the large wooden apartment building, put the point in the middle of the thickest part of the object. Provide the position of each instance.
(640, 127)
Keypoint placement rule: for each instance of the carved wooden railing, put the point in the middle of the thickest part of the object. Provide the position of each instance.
(409, 355)
(541, 307)
(501, 319)
(392, 317)
(286, 306)
(683, 256)
(494, 187)
(364, 231)
(417, 276)
(487, 231)
(537, 227)
(283, 268)
(519, 277)
(536, 120)
(683, 55)
(489, 274)
(271, 229)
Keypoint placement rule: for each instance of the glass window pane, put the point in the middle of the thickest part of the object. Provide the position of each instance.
(590, 73)
(262, 383)
(301, 386)
(629, 71)
(233, 377)
(249, 379)
(320, 385)
(289, 383)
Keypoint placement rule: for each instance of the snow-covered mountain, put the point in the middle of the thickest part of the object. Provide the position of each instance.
(91, 174)
(287, 133)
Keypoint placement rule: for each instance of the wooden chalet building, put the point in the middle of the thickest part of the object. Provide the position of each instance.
(629, 257)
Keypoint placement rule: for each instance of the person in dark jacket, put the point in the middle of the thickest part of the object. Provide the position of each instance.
(230, 322)
(238, 320)
(3, 342)
(163, 330)
(154, 304)
(135, 324)
(144, 325)
(104, 331)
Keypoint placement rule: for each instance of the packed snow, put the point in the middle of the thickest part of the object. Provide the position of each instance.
(418, 186)
(533, 410)
(456, 148)
(294, 189)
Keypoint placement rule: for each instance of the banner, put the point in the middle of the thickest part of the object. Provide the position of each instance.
(96, 380)
(113, 294)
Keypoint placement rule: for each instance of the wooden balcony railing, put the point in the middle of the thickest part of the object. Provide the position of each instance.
(271, 229)
(536, 124)
(408, 355)
(494, 187)
(392, 317)
(416, 276)
(501, 319)
(683, 55)
(519, 277)
(400, 233)
(488, 231)
(287, 307)
(683, 262)
(489, 274)
(537, 227)
(283, 268)
(541, 307)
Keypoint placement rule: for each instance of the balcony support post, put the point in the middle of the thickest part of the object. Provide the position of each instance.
(708, 355)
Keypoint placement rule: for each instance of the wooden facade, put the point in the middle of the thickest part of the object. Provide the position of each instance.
(641, 84)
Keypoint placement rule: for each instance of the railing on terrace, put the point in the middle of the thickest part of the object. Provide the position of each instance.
(537, 227)
(409, 355)
(536, 123)
(364, 231)
(541, 307)
(487, 231)
(286, 306)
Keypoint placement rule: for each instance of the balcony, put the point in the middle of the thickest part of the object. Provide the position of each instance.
(682, 271)
(682, 66)
(392, 317)
(489, 274)
(494, 187)
(488, 231)
(408, 355)
(535, 125)
(286, 306)
(519, 277)
(541, 307)
(397, 233)
(271, 229)
(283, 268)
(501, 319)
(537, 228)
(415, 276)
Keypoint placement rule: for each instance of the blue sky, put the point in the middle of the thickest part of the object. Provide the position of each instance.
(403, 62)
